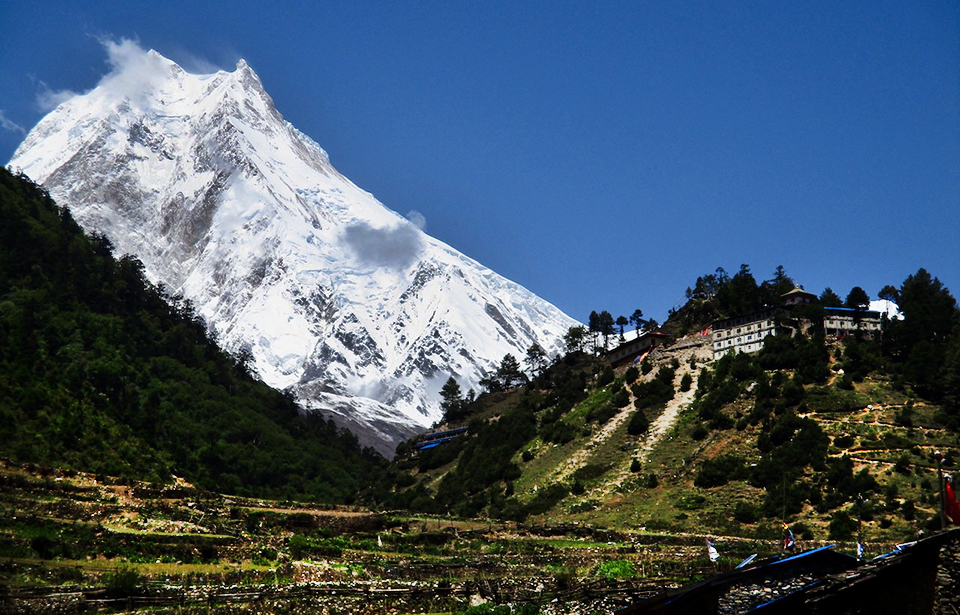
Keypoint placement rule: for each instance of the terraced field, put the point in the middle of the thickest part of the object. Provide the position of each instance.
(73, 542)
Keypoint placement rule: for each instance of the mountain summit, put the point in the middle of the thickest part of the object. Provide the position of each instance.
(328, 293)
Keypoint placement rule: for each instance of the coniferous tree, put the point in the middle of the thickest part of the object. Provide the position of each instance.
(857, 299)
(509, 374)
(605, 326)
(919, 340)
(890, 293)
(741, 295)
(950, 378)
(636, 319)
(452, 403)
(536, 360)
(622, 322)
(772, 290)
(828, 298)
(575, 338)
(594, 326)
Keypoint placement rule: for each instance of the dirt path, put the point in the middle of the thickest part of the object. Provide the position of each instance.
(664, 423)
(659, 428)
(579, 458)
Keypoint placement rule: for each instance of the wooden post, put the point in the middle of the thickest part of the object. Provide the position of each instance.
(943, 518)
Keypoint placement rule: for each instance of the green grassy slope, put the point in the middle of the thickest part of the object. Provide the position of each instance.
(814, 432)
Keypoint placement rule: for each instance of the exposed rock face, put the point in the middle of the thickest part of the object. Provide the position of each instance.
(335, 297)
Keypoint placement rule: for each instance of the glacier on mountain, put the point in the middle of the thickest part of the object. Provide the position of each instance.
(333, 296)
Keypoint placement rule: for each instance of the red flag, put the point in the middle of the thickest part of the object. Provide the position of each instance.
(951, 506)
(788, 540)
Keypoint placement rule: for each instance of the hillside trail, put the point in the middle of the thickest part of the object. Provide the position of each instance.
(875, 454)
(579, 458)
(659, 428)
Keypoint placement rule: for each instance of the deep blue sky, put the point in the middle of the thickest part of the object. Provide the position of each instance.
(602, 154)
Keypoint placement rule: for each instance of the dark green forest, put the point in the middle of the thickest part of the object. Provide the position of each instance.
(102, 371)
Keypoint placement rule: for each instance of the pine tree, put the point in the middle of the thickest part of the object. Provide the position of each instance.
(509, 374)
(536, 360)
(605, 326)
(828, 298)
(636, 319)
(857, 299)
(452, 402)
(575, 338)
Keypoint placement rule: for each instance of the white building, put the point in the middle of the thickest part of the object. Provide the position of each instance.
(743, 333)
(844, 321)
(746, 333)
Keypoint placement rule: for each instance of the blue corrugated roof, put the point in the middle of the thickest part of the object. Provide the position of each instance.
(804, 554)
(444, 434)
(846, 309)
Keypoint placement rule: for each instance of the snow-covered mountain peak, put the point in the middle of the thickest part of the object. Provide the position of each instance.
(333, 295)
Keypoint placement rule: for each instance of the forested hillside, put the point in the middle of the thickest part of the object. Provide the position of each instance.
(797, 432)
(102, 371)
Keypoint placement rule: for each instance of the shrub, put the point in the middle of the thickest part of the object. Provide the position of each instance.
(746, 513)
(616, 569)
(908, 510)
(801, 530)
(720, 470)
(844, 441)
(590, 472)
(605, 377)
(44, 546)
(691, 501)
(620, 399)
(903, 465)
(842, 526)
(845, 382)
(639, 423)
(604, 412)
(560, 432)
(123, 582)
(546, 499)
(635, 465)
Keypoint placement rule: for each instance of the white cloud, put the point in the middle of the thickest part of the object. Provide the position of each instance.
(393, 247)
(417, 219)
(48, 99)
(8, 124)
(132, 69)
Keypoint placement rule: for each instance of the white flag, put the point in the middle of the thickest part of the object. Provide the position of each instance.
(712, 551)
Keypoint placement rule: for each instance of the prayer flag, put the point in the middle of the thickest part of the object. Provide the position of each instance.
(950, 506)
(712, 552)
(788, 539)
